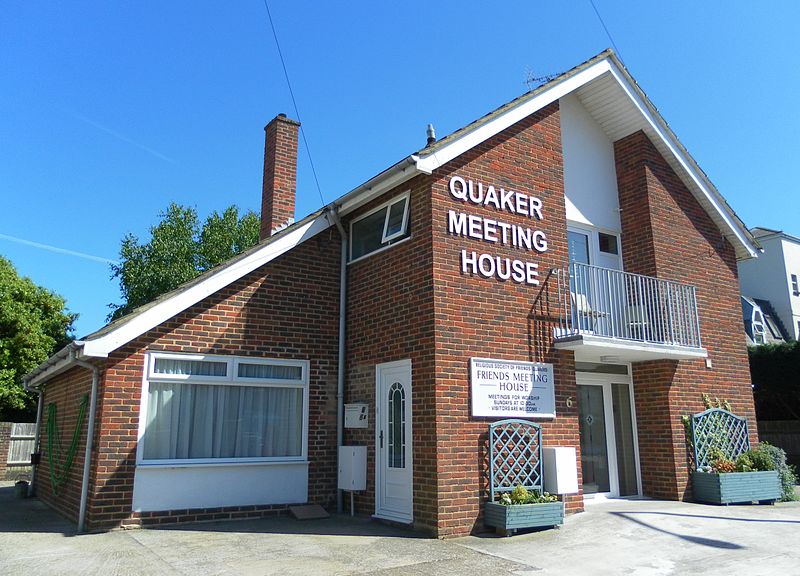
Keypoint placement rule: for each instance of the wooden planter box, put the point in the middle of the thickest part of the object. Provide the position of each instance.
(507, 519)
(736, 487)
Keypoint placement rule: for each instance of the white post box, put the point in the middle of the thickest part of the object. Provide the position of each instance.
(560, 470)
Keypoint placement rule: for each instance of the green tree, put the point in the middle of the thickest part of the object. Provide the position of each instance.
(33, 324)
(179, 249)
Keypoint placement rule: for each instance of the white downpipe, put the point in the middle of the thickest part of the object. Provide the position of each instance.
(341, 361)
(87, 455)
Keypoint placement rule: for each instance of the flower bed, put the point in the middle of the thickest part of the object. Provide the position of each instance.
(506, 519)
(522, 508)
(736, 487)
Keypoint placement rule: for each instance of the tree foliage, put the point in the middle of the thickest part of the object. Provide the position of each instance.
(33, 324)
(775, 371)
(179, 249)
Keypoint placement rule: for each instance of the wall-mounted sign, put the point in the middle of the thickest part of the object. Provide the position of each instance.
(512, 389)
(494, 230)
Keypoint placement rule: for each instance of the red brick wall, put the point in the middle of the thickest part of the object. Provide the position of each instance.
(280, 174)
(389, 318)
(5, 439)
(286, 309)
(665, 232)
(480, 317)
(65, 391)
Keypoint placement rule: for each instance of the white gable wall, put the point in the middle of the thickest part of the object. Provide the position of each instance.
(590, 177)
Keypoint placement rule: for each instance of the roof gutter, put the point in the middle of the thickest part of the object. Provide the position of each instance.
(59, 362)
(395, 175)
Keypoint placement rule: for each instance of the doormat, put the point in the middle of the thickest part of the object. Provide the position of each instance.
(308, 512)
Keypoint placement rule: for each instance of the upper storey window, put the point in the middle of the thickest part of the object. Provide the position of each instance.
(380, 228)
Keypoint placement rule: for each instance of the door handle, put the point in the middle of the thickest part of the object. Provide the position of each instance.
(381, 437)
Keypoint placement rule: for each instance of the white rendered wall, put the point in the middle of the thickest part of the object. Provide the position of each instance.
(791, 256)
(590, 177)
(768, 278)
(171, 488)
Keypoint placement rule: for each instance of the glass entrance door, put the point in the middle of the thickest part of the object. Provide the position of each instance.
(594, 440)
(607, 434)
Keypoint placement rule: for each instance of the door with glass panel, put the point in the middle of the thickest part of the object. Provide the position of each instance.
(579, 248)
(393, 468)
(608, 438)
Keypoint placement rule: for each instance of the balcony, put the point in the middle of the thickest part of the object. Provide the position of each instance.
(615, 317)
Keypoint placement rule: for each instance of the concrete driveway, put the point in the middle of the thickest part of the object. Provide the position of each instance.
(645, 537)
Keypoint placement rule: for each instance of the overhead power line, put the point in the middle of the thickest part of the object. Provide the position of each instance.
(294, 102)
(603, 24)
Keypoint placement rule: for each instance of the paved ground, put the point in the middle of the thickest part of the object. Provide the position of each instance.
(639, 538)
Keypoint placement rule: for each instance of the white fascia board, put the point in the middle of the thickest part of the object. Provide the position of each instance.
(475, 137)
(678, 154)
(59, 362)
(102, 346)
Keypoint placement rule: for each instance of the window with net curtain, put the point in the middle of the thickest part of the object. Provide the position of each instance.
(224, 408)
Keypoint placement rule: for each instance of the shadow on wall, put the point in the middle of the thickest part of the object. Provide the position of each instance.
(543, 316)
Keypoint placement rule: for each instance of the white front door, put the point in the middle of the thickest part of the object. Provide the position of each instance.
(393, 471)
(609, 450)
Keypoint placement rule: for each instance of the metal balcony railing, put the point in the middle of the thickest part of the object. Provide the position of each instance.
(614, 304)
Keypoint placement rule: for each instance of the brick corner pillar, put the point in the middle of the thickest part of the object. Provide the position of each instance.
(5, 441)
(280, 174)
(659, 444)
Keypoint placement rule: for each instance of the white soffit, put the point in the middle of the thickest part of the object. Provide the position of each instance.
(163, 311)
(611, 96)
(620, 110)
(510, 117)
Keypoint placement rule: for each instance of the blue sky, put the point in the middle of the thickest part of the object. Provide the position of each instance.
(111, 110)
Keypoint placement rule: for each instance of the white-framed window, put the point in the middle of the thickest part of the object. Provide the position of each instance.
(795, 285)
(205, 409)
(379, 228)
(758, 328)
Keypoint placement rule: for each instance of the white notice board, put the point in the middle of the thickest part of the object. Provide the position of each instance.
(512, 389)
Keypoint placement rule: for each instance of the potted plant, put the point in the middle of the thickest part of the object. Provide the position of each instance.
(726, 470)
(523, 508)
(751, 477)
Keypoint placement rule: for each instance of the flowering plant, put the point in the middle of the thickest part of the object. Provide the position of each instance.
(521, 495)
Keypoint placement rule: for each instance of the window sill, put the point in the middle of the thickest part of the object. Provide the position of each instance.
(225, 463)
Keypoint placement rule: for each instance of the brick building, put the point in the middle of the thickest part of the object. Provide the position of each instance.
(566, 234)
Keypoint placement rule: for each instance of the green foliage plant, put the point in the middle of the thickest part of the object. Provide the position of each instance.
(521, 495)
(786, 473)
(179, 249)
(34, 323)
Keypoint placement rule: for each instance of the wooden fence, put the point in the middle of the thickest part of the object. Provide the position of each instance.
(784, 434)
(17, 440)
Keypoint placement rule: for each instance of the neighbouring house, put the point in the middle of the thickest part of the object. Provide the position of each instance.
(761, 324)
(562, 259)
(772, 283)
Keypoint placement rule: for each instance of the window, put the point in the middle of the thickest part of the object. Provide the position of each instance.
(795, 286)
(758, 327)
(380, 228)
(207, 409)
(608, 243)
(578, 246)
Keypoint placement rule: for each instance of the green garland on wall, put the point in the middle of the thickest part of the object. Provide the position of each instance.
(58, 478)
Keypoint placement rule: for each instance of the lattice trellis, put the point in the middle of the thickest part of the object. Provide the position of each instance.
(515, 456)
(718, 429)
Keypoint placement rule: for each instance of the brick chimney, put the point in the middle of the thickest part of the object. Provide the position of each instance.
(280, 174)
